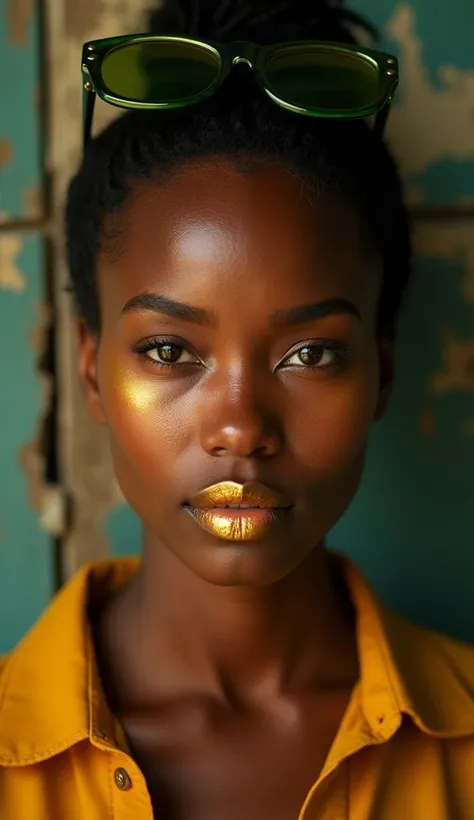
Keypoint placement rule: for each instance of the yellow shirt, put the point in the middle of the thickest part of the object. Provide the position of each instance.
(404, 750)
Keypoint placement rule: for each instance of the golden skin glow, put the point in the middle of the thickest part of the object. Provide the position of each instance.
(138, 394)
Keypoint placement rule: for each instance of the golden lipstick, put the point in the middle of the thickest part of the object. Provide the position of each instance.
(238, 512)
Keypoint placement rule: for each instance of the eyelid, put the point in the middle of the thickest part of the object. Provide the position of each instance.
(327, 344)
(158, 340)
(144, 346)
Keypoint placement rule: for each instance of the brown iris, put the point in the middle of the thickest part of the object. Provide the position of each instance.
(311, 355)
(169, 353)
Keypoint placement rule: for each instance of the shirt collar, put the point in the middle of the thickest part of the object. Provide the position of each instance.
(50, 685)
(407, 669)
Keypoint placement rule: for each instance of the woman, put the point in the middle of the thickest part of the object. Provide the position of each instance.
(238, 268)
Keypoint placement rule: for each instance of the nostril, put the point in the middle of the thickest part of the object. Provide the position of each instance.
(218, 451)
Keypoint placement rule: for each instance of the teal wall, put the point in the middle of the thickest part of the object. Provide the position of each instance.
(432, 128)
(26, 550)
(411, 528)
(20, 145)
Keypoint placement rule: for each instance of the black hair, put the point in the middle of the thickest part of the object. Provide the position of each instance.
(239, 123)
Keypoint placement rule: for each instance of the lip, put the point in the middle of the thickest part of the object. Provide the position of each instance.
(229, 492)
(263, 509)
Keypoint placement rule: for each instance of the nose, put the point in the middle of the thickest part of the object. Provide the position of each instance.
(241, 421)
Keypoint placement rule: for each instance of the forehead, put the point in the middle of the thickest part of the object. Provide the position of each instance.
(211, 223)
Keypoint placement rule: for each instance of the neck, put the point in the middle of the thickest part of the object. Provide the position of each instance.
(183, 634)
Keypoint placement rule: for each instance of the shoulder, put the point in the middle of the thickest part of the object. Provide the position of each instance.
(435, 677)
(430, 673)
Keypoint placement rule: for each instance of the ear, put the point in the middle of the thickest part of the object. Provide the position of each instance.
(386, 352)
(88, 342)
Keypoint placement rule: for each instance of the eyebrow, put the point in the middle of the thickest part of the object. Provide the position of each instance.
(317, 310)
(169, 307)
(282, 318)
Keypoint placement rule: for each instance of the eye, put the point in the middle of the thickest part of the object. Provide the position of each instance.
(314, 356)
(165, 352)
(168, 353)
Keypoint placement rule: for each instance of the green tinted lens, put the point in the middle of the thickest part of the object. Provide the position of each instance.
(323, 78)
(160, 71)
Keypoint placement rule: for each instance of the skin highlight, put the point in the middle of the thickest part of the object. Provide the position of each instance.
(247, 398)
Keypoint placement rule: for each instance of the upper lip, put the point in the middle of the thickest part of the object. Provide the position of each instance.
(230, 493)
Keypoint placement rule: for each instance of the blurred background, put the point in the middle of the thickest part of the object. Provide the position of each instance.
(411, 529)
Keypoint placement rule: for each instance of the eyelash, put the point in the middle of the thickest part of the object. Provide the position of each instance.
(142, 348)
(340, 351)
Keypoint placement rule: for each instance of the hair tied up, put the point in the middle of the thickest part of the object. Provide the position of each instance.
(265, 21)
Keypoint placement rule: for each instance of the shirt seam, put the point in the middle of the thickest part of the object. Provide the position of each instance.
(111, 791)
(45, 754)
(376, 633)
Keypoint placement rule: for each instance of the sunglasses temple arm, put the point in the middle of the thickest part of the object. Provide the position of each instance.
(381, 120)
(88, 101)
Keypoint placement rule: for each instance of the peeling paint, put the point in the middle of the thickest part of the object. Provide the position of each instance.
(41, 497)
(79, 18)
(37, 334)
(85, 448)
(32, 463)
(458, 360)
(52, 517)
(428, 423)
(107, 18)
(7, 152)
(423, 104)
(33, 201)
(453, 242)
(11, 277)
(19, 14)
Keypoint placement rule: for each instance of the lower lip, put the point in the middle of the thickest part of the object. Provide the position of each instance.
(238, 525)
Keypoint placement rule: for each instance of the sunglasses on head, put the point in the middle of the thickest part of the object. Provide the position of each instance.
(312, 78)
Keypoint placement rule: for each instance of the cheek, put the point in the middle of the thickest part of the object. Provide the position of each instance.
(333, 436)
(142, 424)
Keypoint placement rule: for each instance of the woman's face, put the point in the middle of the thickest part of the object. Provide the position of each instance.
(238, 344)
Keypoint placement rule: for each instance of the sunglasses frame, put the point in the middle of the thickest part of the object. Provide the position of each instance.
(230, 54)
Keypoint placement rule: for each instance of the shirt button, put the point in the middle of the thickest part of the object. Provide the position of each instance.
(122, 780)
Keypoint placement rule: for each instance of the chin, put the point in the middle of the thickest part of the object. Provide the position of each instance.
(246, 564)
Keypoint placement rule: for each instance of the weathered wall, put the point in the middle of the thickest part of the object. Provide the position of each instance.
(412, 526)
(84, 453)
(26, 547)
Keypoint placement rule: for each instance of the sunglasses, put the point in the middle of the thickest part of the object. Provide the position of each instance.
(315, 79)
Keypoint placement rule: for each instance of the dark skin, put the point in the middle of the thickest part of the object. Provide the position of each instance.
(230, 665)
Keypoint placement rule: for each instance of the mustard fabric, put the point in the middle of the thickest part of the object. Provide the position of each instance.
(404, 750)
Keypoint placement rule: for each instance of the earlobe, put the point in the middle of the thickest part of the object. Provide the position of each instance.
(88, 342)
